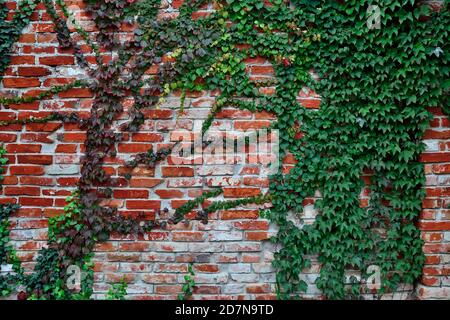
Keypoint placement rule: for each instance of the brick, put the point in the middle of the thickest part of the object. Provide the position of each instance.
(256, 236)
(36, 202)
(165, 289)
(241, 192)
(143, 204)
(187, 236)
(239, 214)
(434, 225)
(23, 148)
(39, 181)
(252, 225)
(76, 93)
(234, 114)
(202, 289)
(6, 116)
(159, 278)
(66, 148)
(36, 137)
(130, 194)
(116, 277)
(35, 159)
(9, 180)
(26, 170)
(57, 61)
(267, 70)
(169, 194)
(435, 157)
(134, 246)
(251, 258)
(33, 71)
(27, 38)
(310, 103)
(437, 134)
(7, 137)
(67, 182)
(255, 124)
(145, 183)
(435, 259)
(171, 267)
(258, 288)
(210, 268)
(134, 147)
(147, 137)
(22, 191)
(433, 293)
(21, 82)
(225, 235)
(441, 168)
(243, 247)
(264, 115)
(158, 114)
(16, 60)
(125, 257)
(176, 4)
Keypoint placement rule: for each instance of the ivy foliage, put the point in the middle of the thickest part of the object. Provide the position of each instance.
(11, 30)
(118, 291)
(189, 284)
(7, 251)
(375, 84)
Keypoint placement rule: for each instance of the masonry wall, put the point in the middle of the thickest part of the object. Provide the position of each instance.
(231, 256)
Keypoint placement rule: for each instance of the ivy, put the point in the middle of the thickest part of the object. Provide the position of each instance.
(189, 285)
(9, 280)
(375, 85)
(370, 89)
(11, 30)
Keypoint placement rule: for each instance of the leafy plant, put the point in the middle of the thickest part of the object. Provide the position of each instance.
(11, 30)
(189, 284)
(118, 291)
(371, 121)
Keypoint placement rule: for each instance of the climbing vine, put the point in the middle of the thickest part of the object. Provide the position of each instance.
(118, 291)
(375, 85)
(189, 284)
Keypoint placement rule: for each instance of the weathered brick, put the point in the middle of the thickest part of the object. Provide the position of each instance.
(21, 82)
(231, 254)
(57, 60)
(130, 194)
(26, 170)
(35, 159)
(22, 191)
(177, 172)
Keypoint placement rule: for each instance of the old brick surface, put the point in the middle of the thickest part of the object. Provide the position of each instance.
(230, 255)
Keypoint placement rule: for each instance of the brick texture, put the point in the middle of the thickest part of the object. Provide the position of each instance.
(231, 258)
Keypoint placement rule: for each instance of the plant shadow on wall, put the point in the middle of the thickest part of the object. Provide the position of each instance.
(372, 119)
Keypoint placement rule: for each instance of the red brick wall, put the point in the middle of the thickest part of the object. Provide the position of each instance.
(435, 217)
(231, 258)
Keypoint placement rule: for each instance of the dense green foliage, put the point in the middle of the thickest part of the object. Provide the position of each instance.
(375, 84)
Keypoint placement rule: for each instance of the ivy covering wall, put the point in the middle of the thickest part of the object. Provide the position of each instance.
(375, 85)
